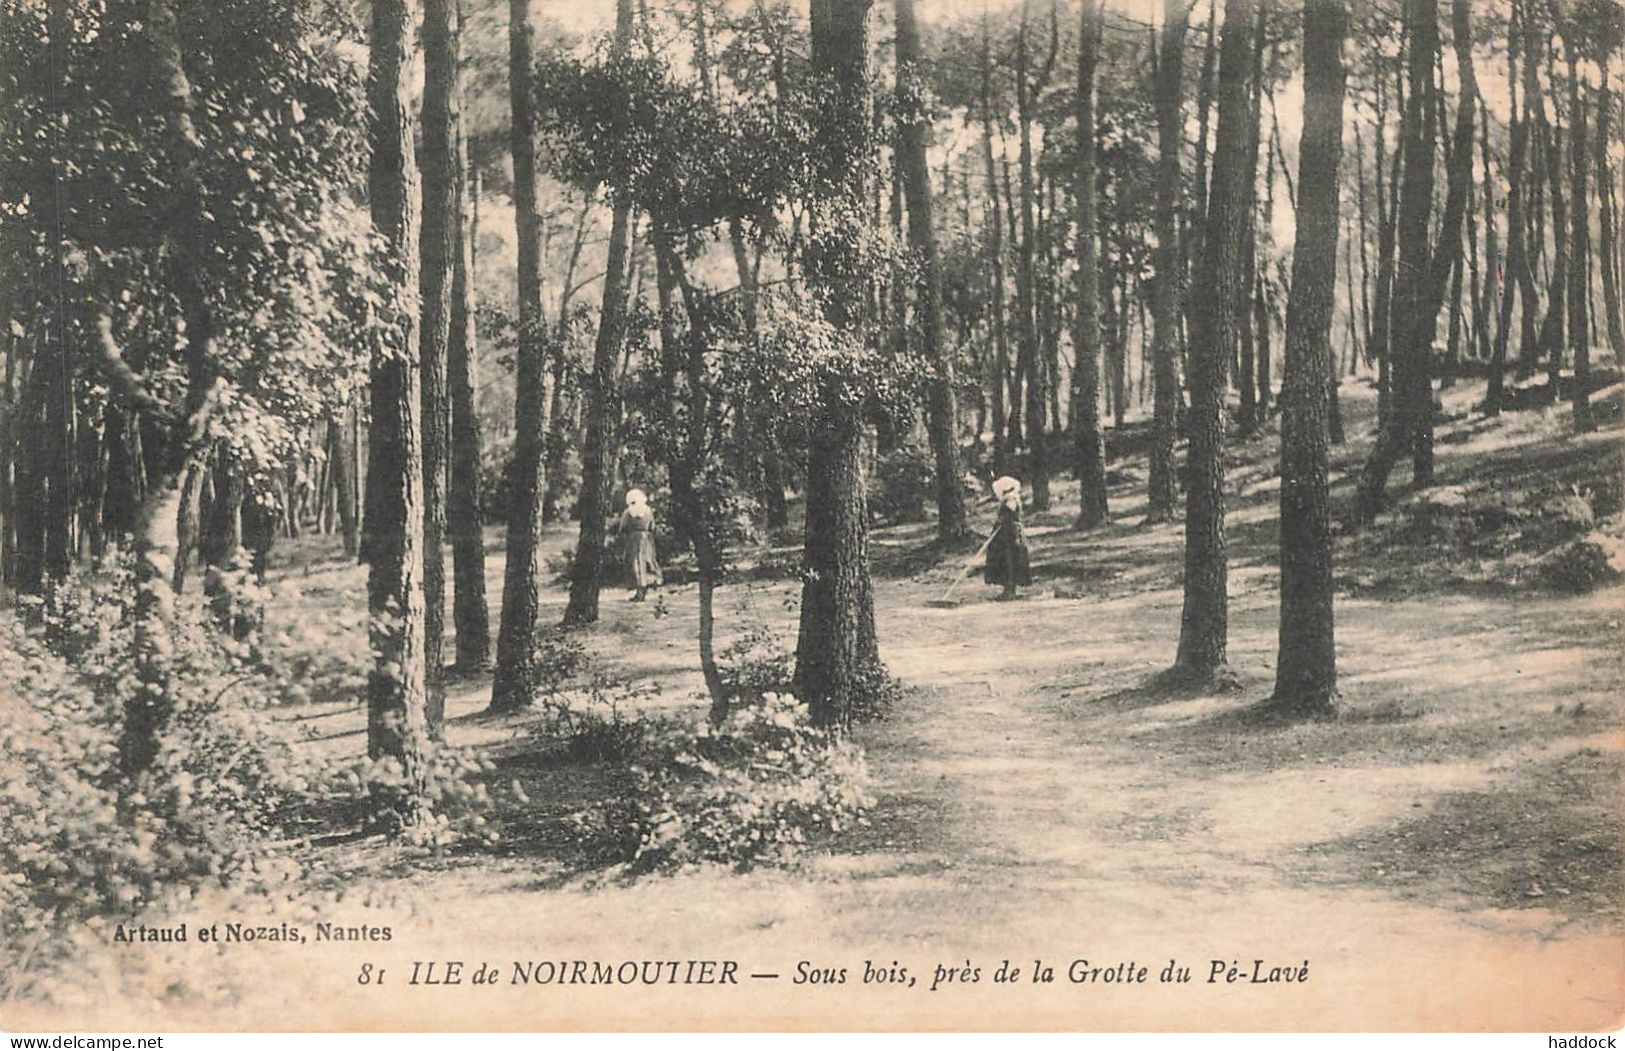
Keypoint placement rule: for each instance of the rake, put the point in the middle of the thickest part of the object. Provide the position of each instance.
(946, 599)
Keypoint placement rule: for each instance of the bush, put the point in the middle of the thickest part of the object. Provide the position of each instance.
(876, 694)
(456, 796)
(901, 483)
(755, 664)
(749, 792)
(591, 717)
(1579, 567)
(79, 839)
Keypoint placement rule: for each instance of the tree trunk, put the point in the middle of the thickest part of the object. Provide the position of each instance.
(1245, 362)
(149, 705)
(58, 463)
(397, 724)
(1089, 448)
(1001, 356)
(1520, 279)
(837, 655)
(1605, 216)
(1551, 327)
(442, 119)
(1263, 296)
(697, 520)
(464, 522)
(1192, 244)
(344, 480)
(511, 683)
(603, 406)
(1166, 261)
(1027, 277)
(1415, 308)
(1579, 246)
(1306, 658)
(940, 411)
(1217, 318)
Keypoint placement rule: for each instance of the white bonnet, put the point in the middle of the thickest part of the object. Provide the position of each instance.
(636, 498)
(1005, 485)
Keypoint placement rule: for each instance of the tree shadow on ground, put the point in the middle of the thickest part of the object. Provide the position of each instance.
(1546, 838)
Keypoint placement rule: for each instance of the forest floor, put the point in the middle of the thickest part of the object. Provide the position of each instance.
(1447, 852)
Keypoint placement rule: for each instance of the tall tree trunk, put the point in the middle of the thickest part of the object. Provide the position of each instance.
(59, 465)
(512, 682)
(149, 705)
(1218, 316)
(344, 480)
(1264, 240)
(1192, 241)
(684, 360)
(603, 405)
(1416, 304)
(1387, 187)
(1027, 290)
(559, 422)
(1605, 216)
(1306, 658)
(1551, 327)
(837, 655)
(1245, 361)
(1519, 278)
(1579, 244)
(1001, 344)
(1166, 260)
(940, 411)
(397, 724)
(442, 119)
(464, 521)
(1089, 447)
(1015, 434)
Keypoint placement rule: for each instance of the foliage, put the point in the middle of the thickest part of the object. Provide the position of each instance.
(80, 840)
(76, 840)
(875, 692)
(901, 482)
(808, 364)
(626, 124)
(752, 791)
(755, 664)
(288, 269)
(452, 793)
(592, 713)
(559, 656)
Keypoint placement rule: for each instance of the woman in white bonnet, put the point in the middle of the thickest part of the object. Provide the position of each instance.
(636, 528)
(1007, 560)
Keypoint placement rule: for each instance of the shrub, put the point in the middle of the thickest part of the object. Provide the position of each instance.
(79, 839)
(76, 839)
(561, 567)
(901, 483)
(456, 796)
(755, 664)
(875, 695)
(1578, 567)
(751, 791)
(597, 719)
(559, 656)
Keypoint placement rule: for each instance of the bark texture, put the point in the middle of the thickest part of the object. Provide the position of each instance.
(1306, 660)
(511, 682)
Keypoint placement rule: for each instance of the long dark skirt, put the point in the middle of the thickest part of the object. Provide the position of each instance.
(1007, 559)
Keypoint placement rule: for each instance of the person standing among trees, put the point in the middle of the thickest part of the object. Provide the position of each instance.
(636, 528)
(1007, 560)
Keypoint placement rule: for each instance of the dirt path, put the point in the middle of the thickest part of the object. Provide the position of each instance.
(1445, 854)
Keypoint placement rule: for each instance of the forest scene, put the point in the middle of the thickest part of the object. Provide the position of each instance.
(815, 483)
